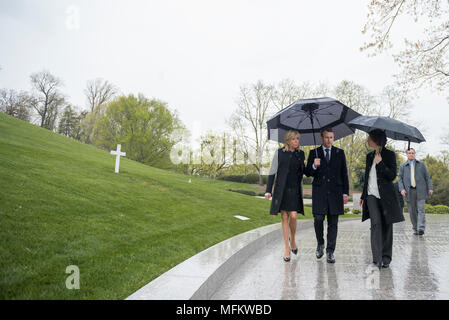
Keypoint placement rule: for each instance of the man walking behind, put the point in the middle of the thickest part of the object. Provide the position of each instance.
(415, 185)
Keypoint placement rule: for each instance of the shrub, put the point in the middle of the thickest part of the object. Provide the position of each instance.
(232, 177)
(252, 178)
(440, 193)
(356, 211)
(438, 209)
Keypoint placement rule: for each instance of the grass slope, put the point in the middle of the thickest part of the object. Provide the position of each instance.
(62, 204)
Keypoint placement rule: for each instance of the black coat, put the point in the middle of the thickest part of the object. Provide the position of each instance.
(330, 181)
(399, 195)
(386, 173)
(280, 170)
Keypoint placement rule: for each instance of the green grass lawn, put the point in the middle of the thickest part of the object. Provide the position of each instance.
(62, 204)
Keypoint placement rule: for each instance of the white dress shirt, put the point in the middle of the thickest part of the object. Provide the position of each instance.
(373, 189)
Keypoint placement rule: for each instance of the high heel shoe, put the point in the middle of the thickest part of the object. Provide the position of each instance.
(294, 251)
(286, 259)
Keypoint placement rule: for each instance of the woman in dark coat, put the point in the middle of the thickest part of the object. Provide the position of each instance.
(288, 167)
(378, 200)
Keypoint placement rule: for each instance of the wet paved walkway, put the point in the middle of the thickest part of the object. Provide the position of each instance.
(419, 268)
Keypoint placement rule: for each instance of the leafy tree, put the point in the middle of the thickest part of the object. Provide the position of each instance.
(439, 173)
(143, 127)
(69, 123)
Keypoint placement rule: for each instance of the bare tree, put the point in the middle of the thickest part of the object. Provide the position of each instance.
(287, 91)
(359, 99)
(47, 99)
(254, 106)
(394, 103)
(214, 154)
(445, 143)
(424, 61)
(16, 104)
(98, 92)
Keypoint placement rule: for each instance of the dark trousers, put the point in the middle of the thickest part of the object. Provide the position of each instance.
(332, 228)
(381, 232)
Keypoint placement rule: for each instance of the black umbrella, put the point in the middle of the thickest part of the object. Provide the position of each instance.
(308, 117)
(394, 129)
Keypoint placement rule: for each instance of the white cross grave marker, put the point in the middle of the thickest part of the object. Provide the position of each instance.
(117, 158)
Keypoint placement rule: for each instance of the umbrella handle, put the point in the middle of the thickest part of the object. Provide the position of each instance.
(313, 134)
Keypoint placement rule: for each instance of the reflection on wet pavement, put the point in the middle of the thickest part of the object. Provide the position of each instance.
(419, 269)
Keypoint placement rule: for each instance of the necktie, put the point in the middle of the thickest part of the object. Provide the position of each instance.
(327, 155)
(413, 175)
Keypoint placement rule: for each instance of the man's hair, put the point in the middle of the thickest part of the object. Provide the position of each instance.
(379, 137)
(410, 149)
(326, 129)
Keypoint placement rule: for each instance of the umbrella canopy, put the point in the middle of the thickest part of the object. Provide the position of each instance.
(394, 129)
(309, 116)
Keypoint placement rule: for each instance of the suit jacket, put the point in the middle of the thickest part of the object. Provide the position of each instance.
(386, 173)
(330, 181)
(280, 167)
(422, 179)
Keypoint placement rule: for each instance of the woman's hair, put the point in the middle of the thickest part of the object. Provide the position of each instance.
(290, 135)
(378, 137)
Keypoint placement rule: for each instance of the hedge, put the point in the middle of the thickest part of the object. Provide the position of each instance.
(254, 178)
(249, 178)
(248, 192)
(438, 209)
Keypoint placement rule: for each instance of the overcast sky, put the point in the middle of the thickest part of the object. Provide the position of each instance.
(195, 55)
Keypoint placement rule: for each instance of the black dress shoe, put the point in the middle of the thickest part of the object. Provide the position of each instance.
(415, 233)
(421, 232)
(378, 264)
(319, 251)
(330, 257)
(385, 265)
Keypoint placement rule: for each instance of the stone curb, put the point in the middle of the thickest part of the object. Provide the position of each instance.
(198, 277)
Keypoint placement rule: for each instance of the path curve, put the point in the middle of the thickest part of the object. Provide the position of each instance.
(419, 269)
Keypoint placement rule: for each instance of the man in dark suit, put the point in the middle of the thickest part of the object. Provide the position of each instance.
(330, 190)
